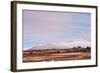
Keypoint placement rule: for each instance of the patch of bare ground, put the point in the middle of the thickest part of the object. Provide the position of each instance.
(56, 57)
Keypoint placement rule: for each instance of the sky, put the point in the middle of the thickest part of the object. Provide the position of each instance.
(41, 27)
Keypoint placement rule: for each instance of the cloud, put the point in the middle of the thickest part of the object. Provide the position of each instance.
(42, 25)
(45, 26)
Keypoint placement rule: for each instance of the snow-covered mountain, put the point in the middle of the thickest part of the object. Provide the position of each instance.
(63, 45)
(25, 49)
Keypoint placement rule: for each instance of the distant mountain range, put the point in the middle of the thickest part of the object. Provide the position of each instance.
(63, 45)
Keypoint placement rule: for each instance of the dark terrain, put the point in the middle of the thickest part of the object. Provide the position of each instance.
(39, 55)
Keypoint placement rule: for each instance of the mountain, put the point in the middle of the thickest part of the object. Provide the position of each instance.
(64, 45)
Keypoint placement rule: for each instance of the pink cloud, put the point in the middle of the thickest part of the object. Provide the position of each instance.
(47, 25)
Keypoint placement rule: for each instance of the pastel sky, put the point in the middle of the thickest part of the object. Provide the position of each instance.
(40, 27)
